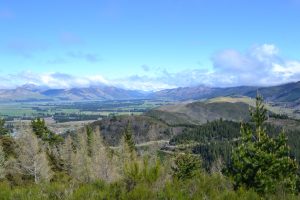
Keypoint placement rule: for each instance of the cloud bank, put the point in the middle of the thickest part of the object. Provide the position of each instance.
(52, 80)
(260, 65)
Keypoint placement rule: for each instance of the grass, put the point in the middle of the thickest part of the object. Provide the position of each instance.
(198, 112)
(246, 100)
(251, 102)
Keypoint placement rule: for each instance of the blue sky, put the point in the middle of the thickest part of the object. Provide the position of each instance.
(149, 44)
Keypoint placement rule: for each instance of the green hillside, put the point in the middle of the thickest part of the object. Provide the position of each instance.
(200, 112)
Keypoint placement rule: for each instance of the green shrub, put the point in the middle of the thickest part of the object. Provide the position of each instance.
(185, 166)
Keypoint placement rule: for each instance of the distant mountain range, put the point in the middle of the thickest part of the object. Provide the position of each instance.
(289, 92)
(31, 92)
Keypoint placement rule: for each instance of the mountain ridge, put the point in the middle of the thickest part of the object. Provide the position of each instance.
(289, 92)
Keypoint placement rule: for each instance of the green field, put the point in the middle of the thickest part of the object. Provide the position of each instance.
(103, 108)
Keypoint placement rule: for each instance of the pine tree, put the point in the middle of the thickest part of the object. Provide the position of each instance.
(128, 137)
(185, 166)
(67, 154)
(102, 165)
(89, 138)
(41, 131)
(261, 162)
(81, 161)
(31, 158)
(3, 130)
(90, 161)
(39, 128)
(2, 163)
(127, 151)
(258, 115)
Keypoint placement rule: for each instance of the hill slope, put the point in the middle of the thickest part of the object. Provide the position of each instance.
(34, 93)
(200, 112)
(144, 129)
(283, 93)
(289, 92)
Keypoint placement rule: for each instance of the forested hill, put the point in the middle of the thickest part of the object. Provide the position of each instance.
(167, 121)
(215, 140)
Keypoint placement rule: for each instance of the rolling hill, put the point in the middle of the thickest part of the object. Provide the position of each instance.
(282, 93)
(145, 129)
(167, 121)
(197, 113)
(289, 93)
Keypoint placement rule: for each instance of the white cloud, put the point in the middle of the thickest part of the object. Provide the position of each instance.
(261, 65)
(289, 71)
(265, 50)
(55, 80)
(233, 61)
(145, 85)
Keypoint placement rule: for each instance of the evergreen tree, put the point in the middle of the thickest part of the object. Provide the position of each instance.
(141, 170)
(90, 138)
(261, 162)
(2, 162)
(67, 154)
(185, 166)
(3, 130)
(258, 115)
(41, 131)
(128, 137)
(39, 128)
(8, 145)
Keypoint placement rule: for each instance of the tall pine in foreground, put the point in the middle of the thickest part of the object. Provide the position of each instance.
(261, 162)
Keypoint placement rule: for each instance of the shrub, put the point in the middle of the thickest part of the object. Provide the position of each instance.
(185, 166)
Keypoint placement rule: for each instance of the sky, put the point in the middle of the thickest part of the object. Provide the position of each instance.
(149, 44)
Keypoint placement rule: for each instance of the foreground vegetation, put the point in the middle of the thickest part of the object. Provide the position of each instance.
(214, 140)
(38, 164)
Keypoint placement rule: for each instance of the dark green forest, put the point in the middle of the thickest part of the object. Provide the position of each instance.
(216, 140)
